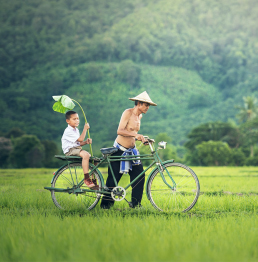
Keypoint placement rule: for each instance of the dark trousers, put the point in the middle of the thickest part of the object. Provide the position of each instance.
(137, 186)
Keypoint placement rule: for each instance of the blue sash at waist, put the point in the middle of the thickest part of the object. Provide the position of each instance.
(126, 165)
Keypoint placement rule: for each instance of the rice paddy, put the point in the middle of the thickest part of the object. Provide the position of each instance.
(222, 226)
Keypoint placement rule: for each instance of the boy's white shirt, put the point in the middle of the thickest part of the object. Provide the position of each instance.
(69, 138)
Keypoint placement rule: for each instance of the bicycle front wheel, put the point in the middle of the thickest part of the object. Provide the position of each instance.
(177, 192)
(68, 178)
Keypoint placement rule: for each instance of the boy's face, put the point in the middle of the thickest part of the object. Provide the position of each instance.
(73, 121)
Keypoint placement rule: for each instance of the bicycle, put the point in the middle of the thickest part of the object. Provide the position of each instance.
(169, 186)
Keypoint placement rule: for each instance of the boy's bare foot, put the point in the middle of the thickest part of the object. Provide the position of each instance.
(88, 182)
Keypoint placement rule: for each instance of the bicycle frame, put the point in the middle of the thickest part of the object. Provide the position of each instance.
(109, 159)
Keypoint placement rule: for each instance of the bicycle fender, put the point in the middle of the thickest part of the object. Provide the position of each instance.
(57, 172)
(154, 170)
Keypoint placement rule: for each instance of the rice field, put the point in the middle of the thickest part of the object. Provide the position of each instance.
(222, 226)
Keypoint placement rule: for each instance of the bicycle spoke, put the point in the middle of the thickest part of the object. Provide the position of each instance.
(78, 200)
(75, 175)
(182, 197)
(65, 178)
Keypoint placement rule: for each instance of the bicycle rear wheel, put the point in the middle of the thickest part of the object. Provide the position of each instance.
(178, 196)
(68, 178)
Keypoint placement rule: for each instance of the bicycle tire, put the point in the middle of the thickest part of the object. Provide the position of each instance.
(183, 197)
(68, 178)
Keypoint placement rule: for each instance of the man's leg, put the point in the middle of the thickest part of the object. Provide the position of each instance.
(138, 185)
(107, 201)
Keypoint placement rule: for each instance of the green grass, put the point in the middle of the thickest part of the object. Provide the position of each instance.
(223, 225)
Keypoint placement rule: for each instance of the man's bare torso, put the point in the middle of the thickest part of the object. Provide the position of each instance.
(131, 123)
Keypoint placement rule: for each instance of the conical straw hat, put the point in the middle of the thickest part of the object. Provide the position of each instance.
(143, 97)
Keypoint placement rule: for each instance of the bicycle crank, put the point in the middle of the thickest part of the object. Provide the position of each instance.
(118, 193)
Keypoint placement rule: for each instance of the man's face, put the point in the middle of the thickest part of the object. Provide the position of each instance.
(73, 121)
(144, 107)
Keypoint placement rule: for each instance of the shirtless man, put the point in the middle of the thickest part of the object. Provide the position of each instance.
(127, 132)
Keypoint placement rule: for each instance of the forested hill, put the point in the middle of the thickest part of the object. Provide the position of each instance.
(197, 59)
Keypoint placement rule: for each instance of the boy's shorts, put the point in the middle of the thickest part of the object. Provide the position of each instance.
(74, 151)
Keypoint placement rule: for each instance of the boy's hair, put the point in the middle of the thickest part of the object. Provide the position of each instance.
(136, 102)
(69, 113)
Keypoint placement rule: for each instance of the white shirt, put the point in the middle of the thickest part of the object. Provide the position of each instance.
(69, 138)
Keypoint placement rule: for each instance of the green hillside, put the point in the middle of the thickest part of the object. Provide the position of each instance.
(165, 85)
(196, 59)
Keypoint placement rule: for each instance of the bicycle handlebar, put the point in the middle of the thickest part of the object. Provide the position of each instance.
(150, 140)
(147, 138)
(162, 144)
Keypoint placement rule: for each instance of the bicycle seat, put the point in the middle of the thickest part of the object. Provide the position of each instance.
(108, 151)
(75, 158)
(63, 157)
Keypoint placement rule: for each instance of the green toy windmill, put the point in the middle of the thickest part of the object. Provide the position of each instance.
(64, 103)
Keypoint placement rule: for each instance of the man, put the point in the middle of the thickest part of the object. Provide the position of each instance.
(127, 133)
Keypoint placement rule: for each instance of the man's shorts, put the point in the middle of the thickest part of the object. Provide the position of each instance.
(74, 151)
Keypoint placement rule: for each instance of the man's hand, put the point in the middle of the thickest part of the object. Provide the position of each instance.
(87, 141)
(141, 138)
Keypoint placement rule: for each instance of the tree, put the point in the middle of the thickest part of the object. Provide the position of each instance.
(214, 153)
(93, 73)
(14, 132)
(50, 151)
(249, 110)
(249, 130)
(216, 131)
(27, 152)
(247, 114)
(237, 157)
(130, 73)
(6, 148)
(198, 100)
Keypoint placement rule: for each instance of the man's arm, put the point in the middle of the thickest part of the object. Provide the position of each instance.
(83, 134)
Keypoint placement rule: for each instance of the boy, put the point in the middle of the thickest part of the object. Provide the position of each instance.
(72, 143)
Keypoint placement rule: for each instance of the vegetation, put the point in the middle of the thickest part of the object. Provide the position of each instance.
(218, 143)
(224, 222)
(197, 59)
(21, 150)
(213, 143)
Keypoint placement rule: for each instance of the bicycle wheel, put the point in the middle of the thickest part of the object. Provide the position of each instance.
(181, 195)
(69, 178)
